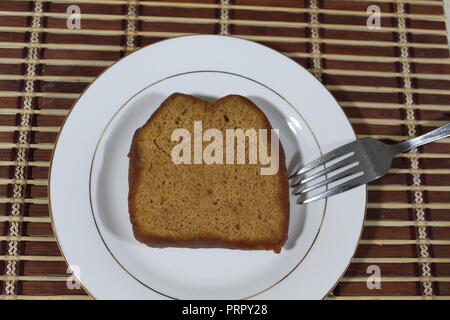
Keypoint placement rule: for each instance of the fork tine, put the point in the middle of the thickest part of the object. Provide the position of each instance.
(297, 180)
(342, 150)
(339, 176)
(348, 185)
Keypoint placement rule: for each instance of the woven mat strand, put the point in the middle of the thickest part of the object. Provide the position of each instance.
(393, 83)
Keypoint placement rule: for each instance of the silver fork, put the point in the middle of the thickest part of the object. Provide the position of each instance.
(358, 162)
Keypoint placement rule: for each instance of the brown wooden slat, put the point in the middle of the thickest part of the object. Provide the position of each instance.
(399, 288)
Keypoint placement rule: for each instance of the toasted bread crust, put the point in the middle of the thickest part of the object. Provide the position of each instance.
(205, 240)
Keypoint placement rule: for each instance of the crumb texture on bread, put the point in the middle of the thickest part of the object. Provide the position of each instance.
(200, 206)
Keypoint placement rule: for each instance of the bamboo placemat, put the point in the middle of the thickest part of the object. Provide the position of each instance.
(393, 83)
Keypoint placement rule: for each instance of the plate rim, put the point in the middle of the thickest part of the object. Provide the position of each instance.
(57, 140)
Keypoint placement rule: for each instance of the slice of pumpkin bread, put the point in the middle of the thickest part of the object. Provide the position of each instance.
(205, 205)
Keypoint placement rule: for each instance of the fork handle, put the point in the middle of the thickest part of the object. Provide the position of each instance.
(436, 134)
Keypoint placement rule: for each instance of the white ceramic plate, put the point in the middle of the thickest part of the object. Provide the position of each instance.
(88, 185)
